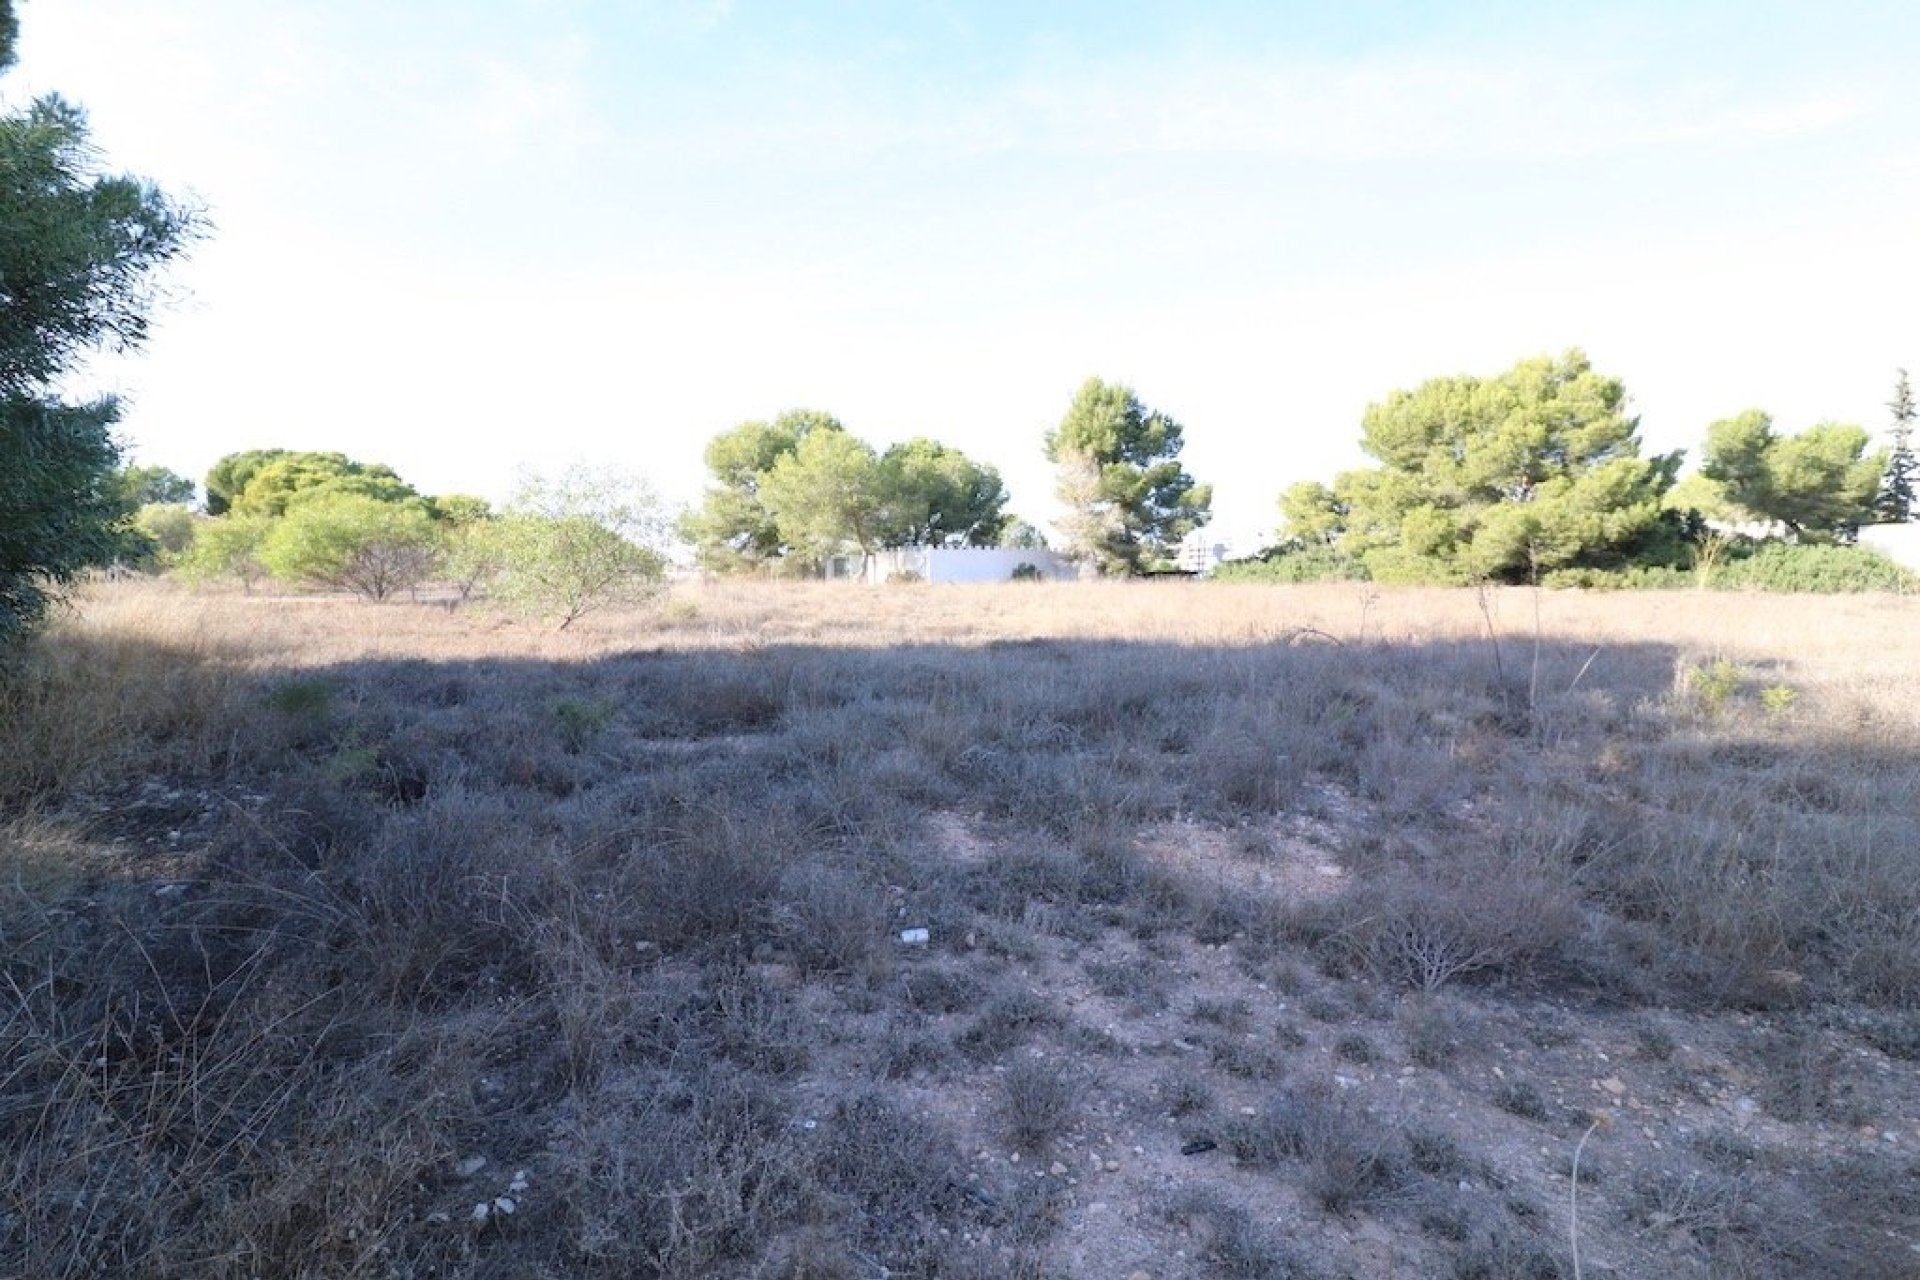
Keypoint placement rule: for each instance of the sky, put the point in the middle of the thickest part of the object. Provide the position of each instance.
(470, 238)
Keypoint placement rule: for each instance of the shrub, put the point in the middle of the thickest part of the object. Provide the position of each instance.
(1038, 1103)
(227, 547)
(1295, 566)
(1815, 568)
(349, 542)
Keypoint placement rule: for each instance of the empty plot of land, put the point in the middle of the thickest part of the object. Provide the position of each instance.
(803, 931)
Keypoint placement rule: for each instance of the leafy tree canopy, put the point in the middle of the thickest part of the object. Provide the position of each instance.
(733, 530)
(1129, 500)
(792, 492)
(937, 496)
(78, 254)
(1819, 484)
(570, 544)
(269, 481)
(151, 486)
(1500, 478)
(826, 494)
(351, 542)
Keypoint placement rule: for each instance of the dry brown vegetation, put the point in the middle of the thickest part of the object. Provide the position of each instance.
(1272, 932)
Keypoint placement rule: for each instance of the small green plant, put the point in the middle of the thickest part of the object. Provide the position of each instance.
(1714, 685)
(1778, 699)
(306, 699)
(580, 721)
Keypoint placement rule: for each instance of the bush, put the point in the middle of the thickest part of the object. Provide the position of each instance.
(227, 547)
(1812, 568)
(353, 543)
(580, 542)
(1294, 566)
(1756, 566)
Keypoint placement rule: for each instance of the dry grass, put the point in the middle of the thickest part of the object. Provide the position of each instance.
(307, 906)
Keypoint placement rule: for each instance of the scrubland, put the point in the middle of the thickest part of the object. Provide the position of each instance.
(1270, 932)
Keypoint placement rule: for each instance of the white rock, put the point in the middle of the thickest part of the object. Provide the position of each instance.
(470, 1166)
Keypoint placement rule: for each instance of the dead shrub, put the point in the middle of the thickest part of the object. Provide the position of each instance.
(1463, 920)
(672, 1175)
(1039, 1101)
(830, 920)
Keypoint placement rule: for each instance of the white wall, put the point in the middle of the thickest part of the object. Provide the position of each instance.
(1897, 542)
(964, 564)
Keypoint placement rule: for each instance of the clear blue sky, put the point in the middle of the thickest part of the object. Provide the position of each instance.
(464, 237)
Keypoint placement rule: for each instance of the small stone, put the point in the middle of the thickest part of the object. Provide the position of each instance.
(1014, 1158)
(470, 1166)
(1113, 1166)
(519, 1182)
(1097, 1162)
(1614, 1085)
(505, 1204)
(482, 1211)
(1056, 1169)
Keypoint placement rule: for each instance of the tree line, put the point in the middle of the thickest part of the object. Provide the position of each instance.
(1539, 474)
(1535, 474)
(789, 494)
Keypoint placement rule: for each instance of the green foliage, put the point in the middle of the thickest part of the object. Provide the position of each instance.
(226, 547)
(1895, 501)
(1820, 483)
(459, 509)
(302, 698)
(1129, 501)
(59, 512)
(1498, 479)
(271, 481)
(936, 496)
(78, 251)
(1748, 565)
(580, 721)
(168, 526)
(800, 489)
(228, 477)
(1294, 564)
(733, 531)
(825, 494)
(1712, 686)
(153, 486)
(578, 542)
(1817, 569)
(352, 542)
(1312, 514)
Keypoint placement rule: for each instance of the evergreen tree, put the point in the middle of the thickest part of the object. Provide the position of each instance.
(1128, 499)
(1895, 503)
(77, 253)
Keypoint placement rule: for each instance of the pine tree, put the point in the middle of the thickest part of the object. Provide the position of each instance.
(1895, 503)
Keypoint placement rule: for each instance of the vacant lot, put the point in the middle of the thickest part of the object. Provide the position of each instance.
(1267, 933)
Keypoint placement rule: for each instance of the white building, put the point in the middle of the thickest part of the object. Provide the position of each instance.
(1899, 543)
(1199, 552)
(950, 565)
